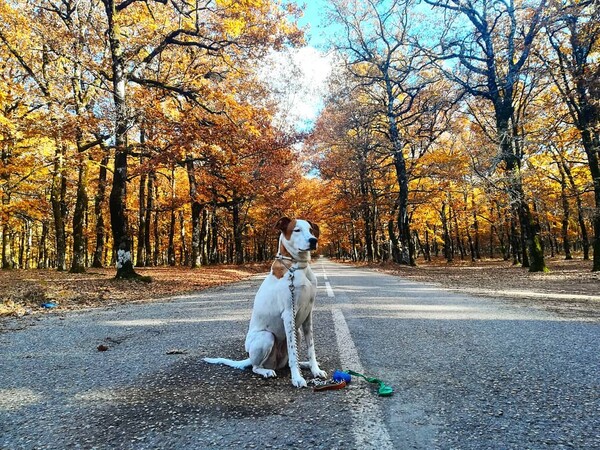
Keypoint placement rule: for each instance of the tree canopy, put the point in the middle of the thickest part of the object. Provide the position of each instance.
(148, 132)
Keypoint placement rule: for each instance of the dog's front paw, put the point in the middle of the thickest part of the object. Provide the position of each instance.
(318, 373)
(299, 382)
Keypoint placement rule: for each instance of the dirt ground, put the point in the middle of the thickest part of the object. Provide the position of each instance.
(570, 288)
(23, 292)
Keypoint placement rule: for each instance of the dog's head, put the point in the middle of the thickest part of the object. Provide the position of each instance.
(300, 235)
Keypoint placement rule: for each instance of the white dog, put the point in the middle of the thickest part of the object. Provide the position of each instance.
(289, 290)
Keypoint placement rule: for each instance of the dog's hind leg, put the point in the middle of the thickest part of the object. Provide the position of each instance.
(260, 346)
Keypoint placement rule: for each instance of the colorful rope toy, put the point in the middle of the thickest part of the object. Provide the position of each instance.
(383, 391)
(341, 378)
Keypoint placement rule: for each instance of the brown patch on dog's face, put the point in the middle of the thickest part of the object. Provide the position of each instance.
(282, 224)
(314, 229)
(290, 229)
(286, 225)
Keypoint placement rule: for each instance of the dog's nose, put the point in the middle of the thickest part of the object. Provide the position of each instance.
(313, 243)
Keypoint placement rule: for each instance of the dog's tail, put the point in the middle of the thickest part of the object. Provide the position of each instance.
(244, 363)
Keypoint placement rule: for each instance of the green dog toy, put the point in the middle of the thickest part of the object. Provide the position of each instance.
(384, 389)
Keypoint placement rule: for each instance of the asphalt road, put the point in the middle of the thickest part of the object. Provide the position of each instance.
(468, 373)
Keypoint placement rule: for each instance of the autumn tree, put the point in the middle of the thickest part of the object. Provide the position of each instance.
(489, 62)
(573, 32)
(51, 57)
(34, 60)
(384, 63)
(350, 153)
(218, 32)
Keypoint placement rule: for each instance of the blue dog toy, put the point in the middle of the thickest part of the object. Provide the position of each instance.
(339, 375)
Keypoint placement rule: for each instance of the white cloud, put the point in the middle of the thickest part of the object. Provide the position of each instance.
(298, 82)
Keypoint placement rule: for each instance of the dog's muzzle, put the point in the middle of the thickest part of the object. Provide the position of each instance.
(313, 243)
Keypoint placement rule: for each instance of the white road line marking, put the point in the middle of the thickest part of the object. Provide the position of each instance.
(329, 290)
(369, 430)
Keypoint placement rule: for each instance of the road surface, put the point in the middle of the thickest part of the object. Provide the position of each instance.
(468, 373)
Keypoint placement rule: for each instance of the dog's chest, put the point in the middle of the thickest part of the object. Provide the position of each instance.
(304, 297)
(274, 298)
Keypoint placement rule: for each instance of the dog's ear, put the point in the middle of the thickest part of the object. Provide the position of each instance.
(315, 229)
(282, 224)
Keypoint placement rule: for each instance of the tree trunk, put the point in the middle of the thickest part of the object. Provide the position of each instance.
(591, 144)
(203, 236)
(405, 241)
(396, 254)
(8, 247)
(141, 237)
(171, 246)
(491, 243)
(5, 177)
(471, 245)
(237, 232)
(406, 246)
(118, 195)
(565, 217)
(196, 212)
(580, 220)
(171, 249)
(184, 258)
(98, 258)
(365, 207)
(79, 261)
(6, 254)
(42, 262)
(534, 254)
(81, 206)
(353, 240)
(427, 249)
(459, 241)
(448, 251)
(196, 230)
(28, 244)
(213, 257)
(475, 227)
(155, 223)
(59, 206)
(118, 218)
(149, 198)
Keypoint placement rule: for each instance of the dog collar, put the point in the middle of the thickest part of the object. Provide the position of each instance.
(299, 264)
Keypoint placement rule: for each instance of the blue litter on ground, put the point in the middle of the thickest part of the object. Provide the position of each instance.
(49, 305)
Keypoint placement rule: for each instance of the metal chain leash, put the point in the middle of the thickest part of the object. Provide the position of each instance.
(293, 303)
(292, 271)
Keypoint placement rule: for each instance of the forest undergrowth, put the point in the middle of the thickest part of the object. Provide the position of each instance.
(570, 288)
(23, 292)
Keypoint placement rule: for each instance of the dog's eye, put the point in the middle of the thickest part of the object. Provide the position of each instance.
(297, 230)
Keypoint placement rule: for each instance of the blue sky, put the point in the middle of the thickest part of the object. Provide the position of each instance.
(314, 15)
